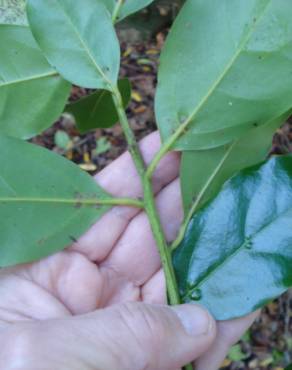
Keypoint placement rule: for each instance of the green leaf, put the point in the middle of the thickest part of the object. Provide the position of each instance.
(235, 353)
(62, 139)
(288, 367)
(226, 65)
(32, 94)
(45, 211)
(13, 12)
(109, 4)
(133, 6)
(130, 7)
(246, 337)
(203, 172)
(237, 252)
(98, 110)
(78, 40)
(102, 145)
(127, 8)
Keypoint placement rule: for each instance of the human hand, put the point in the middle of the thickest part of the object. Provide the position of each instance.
(72, 311)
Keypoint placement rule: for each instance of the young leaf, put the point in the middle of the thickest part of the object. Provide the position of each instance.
(62, 140)
(98, 110)
(226, 64)
(203, 172)
(237, 252)
(32, 94)
(78, 39)
(13, 12)
(236, 354)
(127, 7)
(53, 204)
(102, 146)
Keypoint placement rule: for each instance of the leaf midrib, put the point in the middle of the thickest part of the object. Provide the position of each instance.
(97, 103)
(104, 77)
(216, 171)
(211, 178)
(81, 201)
(30, 78)
(236, 251)
(204, 100)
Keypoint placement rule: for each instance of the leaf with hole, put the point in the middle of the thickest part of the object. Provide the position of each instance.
(226, 65)
(237, 252)
(54, 203)
(97, 110)
(78, 39)
(217, 165)
(32, 94)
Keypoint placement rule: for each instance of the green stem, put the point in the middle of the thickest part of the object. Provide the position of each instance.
(149, 205)
(166, 147)
(131, 140)
(77, 201)
(149, 201)
(164, 251)
(116, 11)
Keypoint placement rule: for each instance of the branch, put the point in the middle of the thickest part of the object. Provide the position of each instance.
(131, 140)
(149, 201)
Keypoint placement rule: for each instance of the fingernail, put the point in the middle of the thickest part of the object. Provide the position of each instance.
(195, 320)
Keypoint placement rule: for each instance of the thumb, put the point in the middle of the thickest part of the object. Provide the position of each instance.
(140, 336)
(130, 336)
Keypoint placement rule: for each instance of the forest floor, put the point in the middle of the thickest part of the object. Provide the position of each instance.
(268, 344)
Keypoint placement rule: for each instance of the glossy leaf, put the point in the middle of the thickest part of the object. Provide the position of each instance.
(78, 39)
(13, 12)
(203, 172)
(98, 110)
(237, 252)
(45, 211)
(32, 94)
(128, 7)
(226, 65)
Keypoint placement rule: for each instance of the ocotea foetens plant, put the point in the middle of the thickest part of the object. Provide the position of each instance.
(224, 88)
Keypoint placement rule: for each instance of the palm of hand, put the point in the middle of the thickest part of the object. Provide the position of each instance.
(115, 262)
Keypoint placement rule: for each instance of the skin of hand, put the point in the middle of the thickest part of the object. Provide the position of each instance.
(101, 305)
